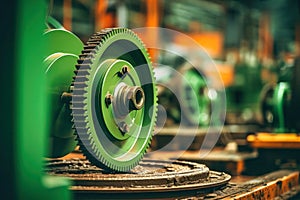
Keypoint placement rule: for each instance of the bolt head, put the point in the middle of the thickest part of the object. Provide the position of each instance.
(108, 99)
(124, 70)
(124, 128)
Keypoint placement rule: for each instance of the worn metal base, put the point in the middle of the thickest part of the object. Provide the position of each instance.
(154, 179)
(283, 184)
(150, 179)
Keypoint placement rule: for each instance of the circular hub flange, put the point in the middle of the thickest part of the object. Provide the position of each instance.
(121, 98)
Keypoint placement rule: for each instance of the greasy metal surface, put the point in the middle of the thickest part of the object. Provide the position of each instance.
(151, 177)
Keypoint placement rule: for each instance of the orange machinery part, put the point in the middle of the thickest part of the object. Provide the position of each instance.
(67, 14)
(212, 43)
(103, 19)
(152, 20)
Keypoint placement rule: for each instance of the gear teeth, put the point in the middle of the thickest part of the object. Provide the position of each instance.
(81, 72)
(82, 129)
(79, 97)
(92, 43)
(95, 39)
(89, 51)
(77, 113)
(83, 60)
(77, 104)
(78, 91)
(155, 96)
(87, 56)
(80, 85)
(83, 66)
(80, 78)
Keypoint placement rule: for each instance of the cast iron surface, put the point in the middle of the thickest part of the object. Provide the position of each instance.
(150, 176)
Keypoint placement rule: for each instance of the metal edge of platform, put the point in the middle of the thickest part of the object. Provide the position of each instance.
(225, 178)
(283, 184)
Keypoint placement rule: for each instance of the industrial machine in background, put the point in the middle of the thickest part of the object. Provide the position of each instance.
(278, 142)
(183, 95)
(276, 99)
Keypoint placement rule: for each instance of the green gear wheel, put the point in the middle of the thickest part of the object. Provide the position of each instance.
(274, 103)
(114, 101)
(195, 103)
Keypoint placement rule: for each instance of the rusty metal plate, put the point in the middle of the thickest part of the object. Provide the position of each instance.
(283, 184)
(151, 178)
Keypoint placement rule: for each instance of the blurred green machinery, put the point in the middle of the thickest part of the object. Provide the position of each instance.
(280, 102)
(194, 92)
(108, 101)
(183, 93)
(243, 94)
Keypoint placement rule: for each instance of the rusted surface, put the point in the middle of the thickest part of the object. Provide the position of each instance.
(273, 188)
(276, 185)
(171, 180)
(222, 160)
(152, 178)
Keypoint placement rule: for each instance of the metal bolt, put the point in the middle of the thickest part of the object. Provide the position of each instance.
(124, 128)
(108, 99)
(123, 71)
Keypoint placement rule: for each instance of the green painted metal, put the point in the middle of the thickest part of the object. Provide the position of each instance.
(53, 23)
(187, 102)
(59, 72)
(278, 101)
(243, 95)
(99, 75)
(31, 108)
(42, 68)
(61, 41)
(275, 106)
(109, 82)
(61, 55)
(195, 99)
(282, 95)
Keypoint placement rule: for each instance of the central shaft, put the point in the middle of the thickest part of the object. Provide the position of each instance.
(126, 99)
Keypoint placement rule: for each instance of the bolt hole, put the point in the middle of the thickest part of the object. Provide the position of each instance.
(139, 98)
